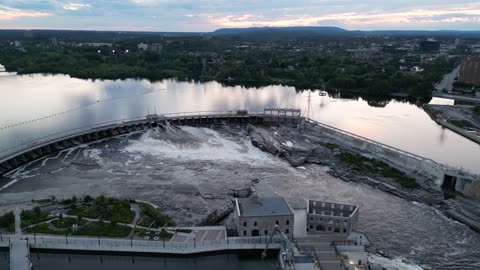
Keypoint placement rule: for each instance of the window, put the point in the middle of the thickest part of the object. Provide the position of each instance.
(341, 207)
(314, 204)
(333, 205)
(244, 224)
(288, 222)
(337, 230)
(266, 232)
(329, 229)
(255, 223)
(276, 222)
(311, 227)
(344, 230)
(244, 233)
(323, 204)
(287, 231)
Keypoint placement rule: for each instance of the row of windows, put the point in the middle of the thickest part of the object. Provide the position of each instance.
(257, 233)
(329, 221)
(276, 222)
(321, 228)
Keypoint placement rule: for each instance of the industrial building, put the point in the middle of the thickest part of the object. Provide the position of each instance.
(470, 71)
(326, 217)
(259, 216)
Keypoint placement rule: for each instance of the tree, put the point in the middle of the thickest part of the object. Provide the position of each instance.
(476, 109)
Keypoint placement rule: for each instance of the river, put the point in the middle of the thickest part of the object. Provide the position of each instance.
(40, 105)
(155, 166)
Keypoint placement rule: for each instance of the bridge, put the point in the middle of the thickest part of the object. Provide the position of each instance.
(456, 179)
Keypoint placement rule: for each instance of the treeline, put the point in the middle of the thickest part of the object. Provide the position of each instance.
(255, 66)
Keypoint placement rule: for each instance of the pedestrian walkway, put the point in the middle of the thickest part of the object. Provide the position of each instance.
(19, 255)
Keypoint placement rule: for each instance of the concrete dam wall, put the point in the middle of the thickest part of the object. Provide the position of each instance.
(24, 154)
(442, 175)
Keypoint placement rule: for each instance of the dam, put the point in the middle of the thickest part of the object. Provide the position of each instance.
(447, 177)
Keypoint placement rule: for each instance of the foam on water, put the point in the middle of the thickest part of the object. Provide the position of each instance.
(393, 264)
(203, 144)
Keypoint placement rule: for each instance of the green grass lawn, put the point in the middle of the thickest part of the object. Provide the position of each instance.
(110, 209)
(151, 214)
(7, 221)
(34, 216)
(45, 229)
(461, 123)
(63, 223)
(368, 165)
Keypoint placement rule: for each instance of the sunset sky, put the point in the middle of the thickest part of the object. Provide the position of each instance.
(203, 15)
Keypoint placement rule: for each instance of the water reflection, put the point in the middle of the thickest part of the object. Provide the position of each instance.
(46, 261)
(39, 105)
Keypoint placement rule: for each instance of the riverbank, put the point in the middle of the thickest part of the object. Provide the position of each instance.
(301, 147)
(460, 119)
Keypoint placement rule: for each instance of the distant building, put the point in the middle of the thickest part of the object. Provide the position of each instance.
(258, 216)
(17, 43)
(95, 44)
(470, 71)
(325, 217)
(54, 42)
(429, 46)
(459, 41)
(142, 47)
(155, 47)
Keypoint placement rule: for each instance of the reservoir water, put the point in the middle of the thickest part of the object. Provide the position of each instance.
(33, 106)
(154, 167)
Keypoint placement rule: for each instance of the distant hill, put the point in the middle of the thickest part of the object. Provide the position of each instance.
(316, 29)
(336, 31)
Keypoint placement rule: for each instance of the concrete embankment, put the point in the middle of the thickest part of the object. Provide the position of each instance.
(471, 136)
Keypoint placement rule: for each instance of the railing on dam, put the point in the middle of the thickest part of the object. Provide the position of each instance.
(444, 167)
(145, 246)
(17, 149)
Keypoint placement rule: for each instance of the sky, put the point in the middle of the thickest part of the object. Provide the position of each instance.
(208, 15)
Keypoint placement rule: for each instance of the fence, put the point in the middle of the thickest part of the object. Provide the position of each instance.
(16, 149)
(146, 246)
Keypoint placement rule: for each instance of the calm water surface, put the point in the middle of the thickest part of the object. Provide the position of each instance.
(45, 261)
(34, 106)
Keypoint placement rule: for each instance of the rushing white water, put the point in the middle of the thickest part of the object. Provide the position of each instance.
(393, 264)
(189, 143)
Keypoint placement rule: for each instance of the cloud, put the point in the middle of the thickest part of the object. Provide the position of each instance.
(207, 15)
(7, 13)
(74, 6)
(377, 18)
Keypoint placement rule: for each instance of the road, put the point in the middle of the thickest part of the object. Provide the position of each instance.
(447, 81)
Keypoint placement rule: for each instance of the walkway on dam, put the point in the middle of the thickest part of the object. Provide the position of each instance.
(96, 244)
(19, 255)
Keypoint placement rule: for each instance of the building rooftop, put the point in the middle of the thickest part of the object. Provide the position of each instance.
(255, 207)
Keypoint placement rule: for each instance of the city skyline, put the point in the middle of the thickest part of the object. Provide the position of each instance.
(204, 16)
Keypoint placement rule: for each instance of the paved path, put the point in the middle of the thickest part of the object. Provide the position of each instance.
(18, 222)
(19, 255)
